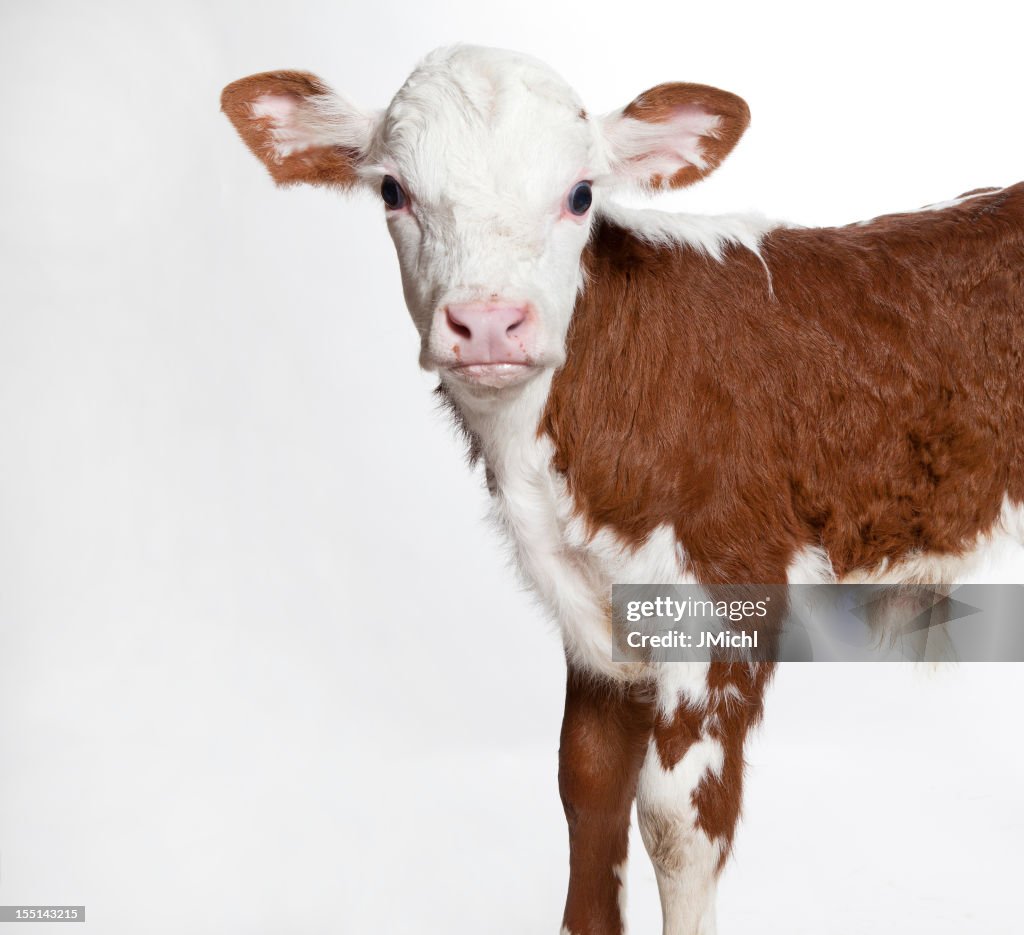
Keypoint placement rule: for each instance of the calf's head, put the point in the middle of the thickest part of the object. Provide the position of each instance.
(491, 173)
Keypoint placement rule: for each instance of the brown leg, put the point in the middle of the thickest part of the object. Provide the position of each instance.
(604, 738)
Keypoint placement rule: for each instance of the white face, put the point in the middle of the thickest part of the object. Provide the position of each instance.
(491, 174)
(487, 160)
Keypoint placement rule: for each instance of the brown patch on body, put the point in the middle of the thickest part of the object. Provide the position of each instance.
(317, 165)
(870, 404)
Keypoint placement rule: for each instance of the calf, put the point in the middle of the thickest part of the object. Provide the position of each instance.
(674, 399)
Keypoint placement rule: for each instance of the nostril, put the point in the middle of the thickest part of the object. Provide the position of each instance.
(511, 329)
(457, 326)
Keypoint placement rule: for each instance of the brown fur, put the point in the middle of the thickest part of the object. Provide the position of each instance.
(660, 103)
(870, 401)
(320, 165)
(718, 797)
(604, 739)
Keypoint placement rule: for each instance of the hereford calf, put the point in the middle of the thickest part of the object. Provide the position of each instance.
(674, 399)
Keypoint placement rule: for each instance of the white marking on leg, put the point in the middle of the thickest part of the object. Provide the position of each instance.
(685, 859)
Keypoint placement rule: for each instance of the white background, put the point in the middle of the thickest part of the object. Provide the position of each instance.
(263, 668)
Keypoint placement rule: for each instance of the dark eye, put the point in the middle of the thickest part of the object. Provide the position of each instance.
(580, 198)
(392, 193)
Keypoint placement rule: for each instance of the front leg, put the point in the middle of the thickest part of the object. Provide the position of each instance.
(691, 784)
(604, 737)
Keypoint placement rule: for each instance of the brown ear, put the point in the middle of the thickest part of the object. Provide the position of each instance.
(675, 134)
(298, 128)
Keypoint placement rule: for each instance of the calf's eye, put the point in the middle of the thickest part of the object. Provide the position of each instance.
(392, 193)
(580, 198)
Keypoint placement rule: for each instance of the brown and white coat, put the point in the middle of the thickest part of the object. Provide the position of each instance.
(662, 398)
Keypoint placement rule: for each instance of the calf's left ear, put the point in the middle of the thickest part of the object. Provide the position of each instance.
(674, 134)
(300, 129)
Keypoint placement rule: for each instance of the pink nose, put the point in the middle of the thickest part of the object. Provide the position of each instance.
(489, 332)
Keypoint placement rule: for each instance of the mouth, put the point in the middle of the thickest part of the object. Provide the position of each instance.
(493, 375)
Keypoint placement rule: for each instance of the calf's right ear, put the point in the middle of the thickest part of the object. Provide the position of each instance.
(300, 129)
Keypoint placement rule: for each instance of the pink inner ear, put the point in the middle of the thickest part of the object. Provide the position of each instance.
(663, 146)
(692, 125)
(289, 132)
(690, 110)
(279, 107)
(693, 121)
